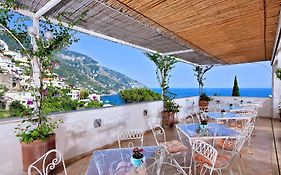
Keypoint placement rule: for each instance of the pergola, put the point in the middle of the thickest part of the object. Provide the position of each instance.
(200, 32)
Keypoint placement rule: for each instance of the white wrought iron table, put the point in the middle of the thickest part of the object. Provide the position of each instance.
(117, 162)
(213, 131)
(226, 116)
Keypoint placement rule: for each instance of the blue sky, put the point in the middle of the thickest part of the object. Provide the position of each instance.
(133, 63)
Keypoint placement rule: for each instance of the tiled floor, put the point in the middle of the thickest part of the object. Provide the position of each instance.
(266, 146)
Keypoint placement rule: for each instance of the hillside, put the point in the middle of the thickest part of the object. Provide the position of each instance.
(83, 71)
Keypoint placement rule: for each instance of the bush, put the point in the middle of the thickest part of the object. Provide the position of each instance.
(171, 106)
(94, 104)
(58, 104)
(16, 109)
(84, 94)
(137, 95)
(204, 97)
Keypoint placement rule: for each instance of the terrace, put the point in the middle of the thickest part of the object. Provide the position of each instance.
(204, 33)
(263, 159)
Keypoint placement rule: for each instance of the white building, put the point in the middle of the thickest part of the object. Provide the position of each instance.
(53, 82)
(3, 46)
(74, 94)
(7, 65)
(26, 98)
(15, 55)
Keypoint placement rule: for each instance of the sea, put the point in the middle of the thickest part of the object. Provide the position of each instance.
(189, 92)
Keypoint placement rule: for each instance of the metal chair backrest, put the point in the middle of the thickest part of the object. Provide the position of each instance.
(201, 116)
(207, 151)
(188, 119)
(233, 144)
(248, 130)
(131, 135)
(47, 164)
(159, 134)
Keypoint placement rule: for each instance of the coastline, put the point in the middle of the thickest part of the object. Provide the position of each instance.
(115, 99)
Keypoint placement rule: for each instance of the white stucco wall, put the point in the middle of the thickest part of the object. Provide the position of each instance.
(77, 135)
(276, 84)
(265, 104)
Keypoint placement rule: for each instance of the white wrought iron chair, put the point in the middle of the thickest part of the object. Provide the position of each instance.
(47, 164)
(201, 116)
(131, 135)
(204, 155)
(247, 133)
(228, 149)
(173, 147)
(188, 119)
(186, 141)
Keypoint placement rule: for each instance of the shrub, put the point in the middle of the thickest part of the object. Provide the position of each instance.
(58, 104)
(84, 94)
(94, 104)
(204, 97)
(16, 109)
(171, 106)
(137, 95)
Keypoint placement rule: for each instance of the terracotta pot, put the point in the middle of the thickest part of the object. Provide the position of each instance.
(168, 119)
(203, 104)
(34, 150)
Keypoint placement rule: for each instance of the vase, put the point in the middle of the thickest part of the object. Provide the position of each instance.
(137, 162)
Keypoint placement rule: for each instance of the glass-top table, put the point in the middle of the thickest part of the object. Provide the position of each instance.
(117, 162)
(214, 130)
(226, 116)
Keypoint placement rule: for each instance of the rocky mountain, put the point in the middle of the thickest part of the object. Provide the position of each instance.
(83, 71)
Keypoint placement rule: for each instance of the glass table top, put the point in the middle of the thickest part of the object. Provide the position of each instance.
(226, 115)
(117, 162)
(216, 115)
(213, 130)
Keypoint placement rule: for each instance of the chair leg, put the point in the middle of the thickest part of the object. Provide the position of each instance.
(230, 170)
(195, 168)
(249, 146)
(239, 165)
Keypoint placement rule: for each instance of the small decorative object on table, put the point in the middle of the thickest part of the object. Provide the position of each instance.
(223, 112)
(137, 159)
(230, 106)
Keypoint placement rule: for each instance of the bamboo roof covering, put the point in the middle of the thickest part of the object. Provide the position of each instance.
(218, 31)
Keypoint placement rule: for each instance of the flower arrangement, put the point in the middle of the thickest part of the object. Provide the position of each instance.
(137, 153)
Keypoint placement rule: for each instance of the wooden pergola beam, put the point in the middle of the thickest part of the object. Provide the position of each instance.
(48, 6)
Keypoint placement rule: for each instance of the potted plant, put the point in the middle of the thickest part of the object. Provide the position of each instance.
(164, 65)
(36, 132)
(137, 158)
(199, 74)
(170, 110)
(204, 101)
